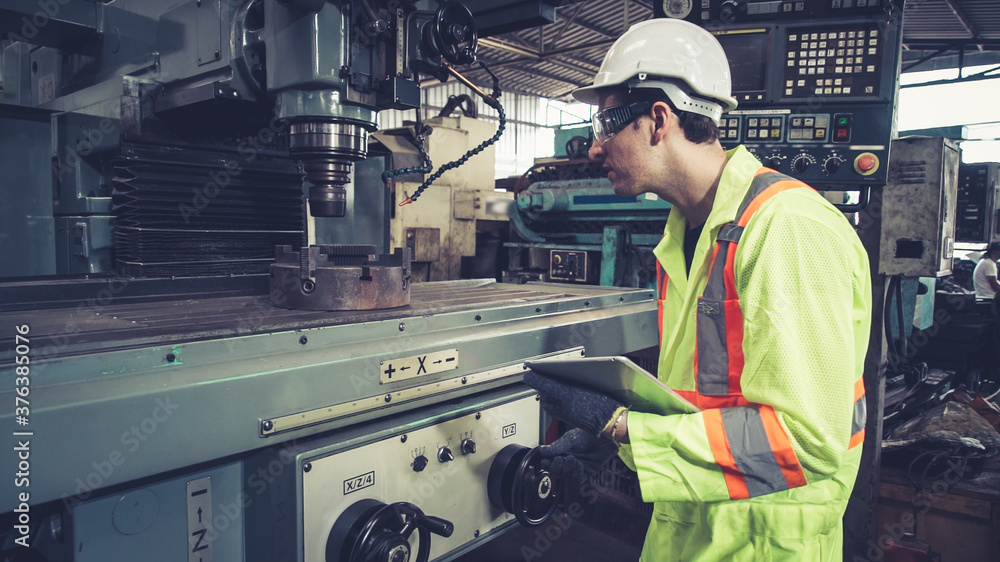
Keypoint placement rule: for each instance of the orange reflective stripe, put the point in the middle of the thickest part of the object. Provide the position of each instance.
(723, 456)
(712, 402)
(661, 285)
(734, 344)
(772, 190)
(781, 446)
(860, 416)
(856, 439)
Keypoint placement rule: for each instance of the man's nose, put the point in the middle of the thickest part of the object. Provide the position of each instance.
(596, 151)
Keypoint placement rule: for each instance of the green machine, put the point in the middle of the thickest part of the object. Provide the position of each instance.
(214, 355)
(569, 226)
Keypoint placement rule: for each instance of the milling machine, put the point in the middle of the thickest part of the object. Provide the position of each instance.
(197, 370)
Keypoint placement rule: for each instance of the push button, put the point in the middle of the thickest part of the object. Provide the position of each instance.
(866, 163)
(841, 127)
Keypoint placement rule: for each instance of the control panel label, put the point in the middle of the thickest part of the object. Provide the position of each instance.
(199, 519)
(393, 370)
(360, 482)
(509, 430)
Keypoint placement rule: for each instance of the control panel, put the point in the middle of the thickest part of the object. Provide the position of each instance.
(442, 468)
(570, 266)
(815, 82)
(978, 185)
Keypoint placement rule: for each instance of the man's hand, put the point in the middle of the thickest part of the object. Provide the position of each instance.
(588, 410)
(574, 457)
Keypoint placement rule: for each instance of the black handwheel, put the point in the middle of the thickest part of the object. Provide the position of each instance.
(371, 531)
(518, 484)
(578, 147)
(455, 36)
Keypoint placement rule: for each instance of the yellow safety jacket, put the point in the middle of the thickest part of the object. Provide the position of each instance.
(772, 350)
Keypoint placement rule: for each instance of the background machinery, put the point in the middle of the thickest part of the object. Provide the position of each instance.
(218, 352)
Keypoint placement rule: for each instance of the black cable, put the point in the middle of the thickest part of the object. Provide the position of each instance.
(462, 160)
(420, 132)
(899, 315)
(887, 325)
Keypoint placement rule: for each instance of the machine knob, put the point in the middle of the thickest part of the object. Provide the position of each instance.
(468, 447)
(801, 164)
(832, 165)
(419, 463)
(445, 455)
(728, 11)
(774, 162)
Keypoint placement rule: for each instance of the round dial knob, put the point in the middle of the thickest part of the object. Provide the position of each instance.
(468, 447)
(832, 164)
(445, 454)
(802, 163)
(677, 8)
(773, 161)
(419, 463)
(728, 11)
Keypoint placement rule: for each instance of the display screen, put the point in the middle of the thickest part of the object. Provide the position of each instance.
(748, 56)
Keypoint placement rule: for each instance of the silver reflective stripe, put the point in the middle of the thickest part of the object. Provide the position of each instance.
(713, 355)
(860, 415)
(712, 345)
(752, 451)
(730, 232)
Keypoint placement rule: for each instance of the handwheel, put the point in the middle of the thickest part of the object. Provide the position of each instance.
(454, 35)
(371, 531)
(578, 147)
(518, 484)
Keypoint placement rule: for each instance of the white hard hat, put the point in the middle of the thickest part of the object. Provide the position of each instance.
(676, 56)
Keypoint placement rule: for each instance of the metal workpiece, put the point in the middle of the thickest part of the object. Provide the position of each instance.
(340, 277)
(178, 383)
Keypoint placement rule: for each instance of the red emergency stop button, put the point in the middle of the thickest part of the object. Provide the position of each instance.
(866, 163)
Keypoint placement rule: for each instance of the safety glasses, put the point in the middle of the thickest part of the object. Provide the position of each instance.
(612, 120)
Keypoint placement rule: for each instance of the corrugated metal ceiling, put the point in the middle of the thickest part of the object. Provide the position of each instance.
(553, 60)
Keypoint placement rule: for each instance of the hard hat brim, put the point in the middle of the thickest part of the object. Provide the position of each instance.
(588, 94)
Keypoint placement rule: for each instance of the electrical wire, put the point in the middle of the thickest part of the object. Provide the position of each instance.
(492, 100)
(420, 132)
(887, 324)
(462, 160)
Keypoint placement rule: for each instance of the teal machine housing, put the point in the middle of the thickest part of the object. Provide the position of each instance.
(163, 405)
(568, 225)
(578, 230)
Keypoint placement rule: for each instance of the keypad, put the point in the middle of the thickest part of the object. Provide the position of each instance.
(833, 62)
(729, 129)
(752, 129)
(808, 128)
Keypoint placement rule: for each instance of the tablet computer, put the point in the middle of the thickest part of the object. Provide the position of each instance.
(619, 378)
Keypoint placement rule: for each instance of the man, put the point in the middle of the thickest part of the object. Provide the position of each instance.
(984, 278)
(765, 305)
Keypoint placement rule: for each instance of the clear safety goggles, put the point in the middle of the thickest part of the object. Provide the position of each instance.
(612, 120)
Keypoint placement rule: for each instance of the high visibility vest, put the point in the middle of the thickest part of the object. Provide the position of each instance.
(739, 430)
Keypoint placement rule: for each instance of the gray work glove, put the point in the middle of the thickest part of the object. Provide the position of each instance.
(586, 409)
(575, 457)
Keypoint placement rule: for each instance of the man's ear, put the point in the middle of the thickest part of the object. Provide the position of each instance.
(662, 120)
